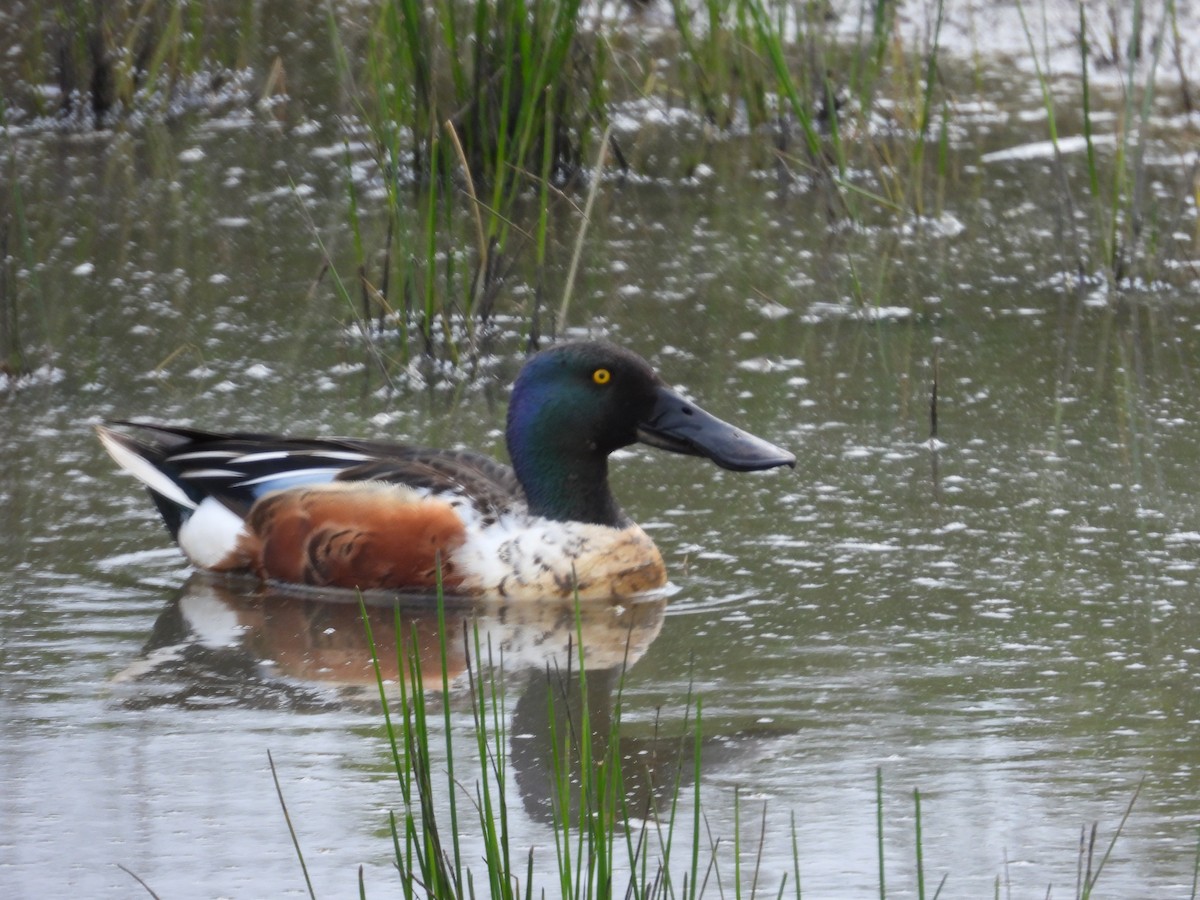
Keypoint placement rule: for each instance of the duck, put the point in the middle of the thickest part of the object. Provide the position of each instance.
(374, 515)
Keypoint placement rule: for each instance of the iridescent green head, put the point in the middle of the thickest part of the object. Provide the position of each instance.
(576, 403)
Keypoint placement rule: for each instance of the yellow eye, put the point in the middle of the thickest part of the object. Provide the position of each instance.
(602, 376)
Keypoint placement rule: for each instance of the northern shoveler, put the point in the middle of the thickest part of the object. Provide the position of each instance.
(377, 515)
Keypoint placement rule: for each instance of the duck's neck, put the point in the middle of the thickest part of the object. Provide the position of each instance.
(568, 490)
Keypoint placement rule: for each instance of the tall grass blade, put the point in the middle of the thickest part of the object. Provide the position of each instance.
(291, 828)
(593, 189)
(132, 874)
(795, 859)
(762, 840)
(931, 71)
(772, 41)
(1196, 868)
(695, 869)
(879, 829)
(1072, 242)
(443, 656)
(920, 849)
(1094, 877)
(737, 841)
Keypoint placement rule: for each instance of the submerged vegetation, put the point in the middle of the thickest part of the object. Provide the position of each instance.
(488, 122)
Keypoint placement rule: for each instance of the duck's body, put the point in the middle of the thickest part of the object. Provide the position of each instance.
(377, 515)
(374, 515)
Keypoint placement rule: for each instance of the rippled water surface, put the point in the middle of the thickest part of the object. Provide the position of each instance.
(1005, 618)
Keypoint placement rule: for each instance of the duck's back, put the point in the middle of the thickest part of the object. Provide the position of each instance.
(326, 512)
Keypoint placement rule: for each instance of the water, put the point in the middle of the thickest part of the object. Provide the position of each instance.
(1004, 618)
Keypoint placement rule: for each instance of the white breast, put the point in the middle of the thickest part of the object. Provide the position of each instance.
(526, 558)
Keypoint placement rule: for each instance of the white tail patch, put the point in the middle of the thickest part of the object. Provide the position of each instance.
(142, 469)
(210, 534)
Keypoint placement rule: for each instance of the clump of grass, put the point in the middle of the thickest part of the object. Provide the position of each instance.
(15, 244)
(484, 105)
(610, 837)
(601, 834)
(1120, 240)
(723, 74)
(111, 59)
(481, 113)
(760, 67)
(1120, 210)
(830, 91)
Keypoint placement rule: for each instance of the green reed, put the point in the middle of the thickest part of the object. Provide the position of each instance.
(16, 244)
(1120, 236)
(112, 59)
(1089, 876)
(723, 74)
(800, 93)
(831, 90)
(1126, 242)
(488, 105)
(287, 818)
(597, 841)
(603, 846)
(879, 831)
(483, 103)
(1196, 869)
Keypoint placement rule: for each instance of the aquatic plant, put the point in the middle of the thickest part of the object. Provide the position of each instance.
(108, 60)
(722, 72)
(589, 817)
(1120, 236)
(15, 243)
(481, 104)
(601, 833)
(1123, 226)
(489, 136)
(831, 88)
(611, 836)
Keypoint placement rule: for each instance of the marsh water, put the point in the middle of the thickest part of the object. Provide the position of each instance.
(1005, 618)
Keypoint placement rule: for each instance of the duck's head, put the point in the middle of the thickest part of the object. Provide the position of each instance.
(574, 404)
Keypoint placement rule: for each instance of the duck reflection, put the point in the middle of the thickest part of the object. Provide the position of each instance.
(229, 642)
(218, 633)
